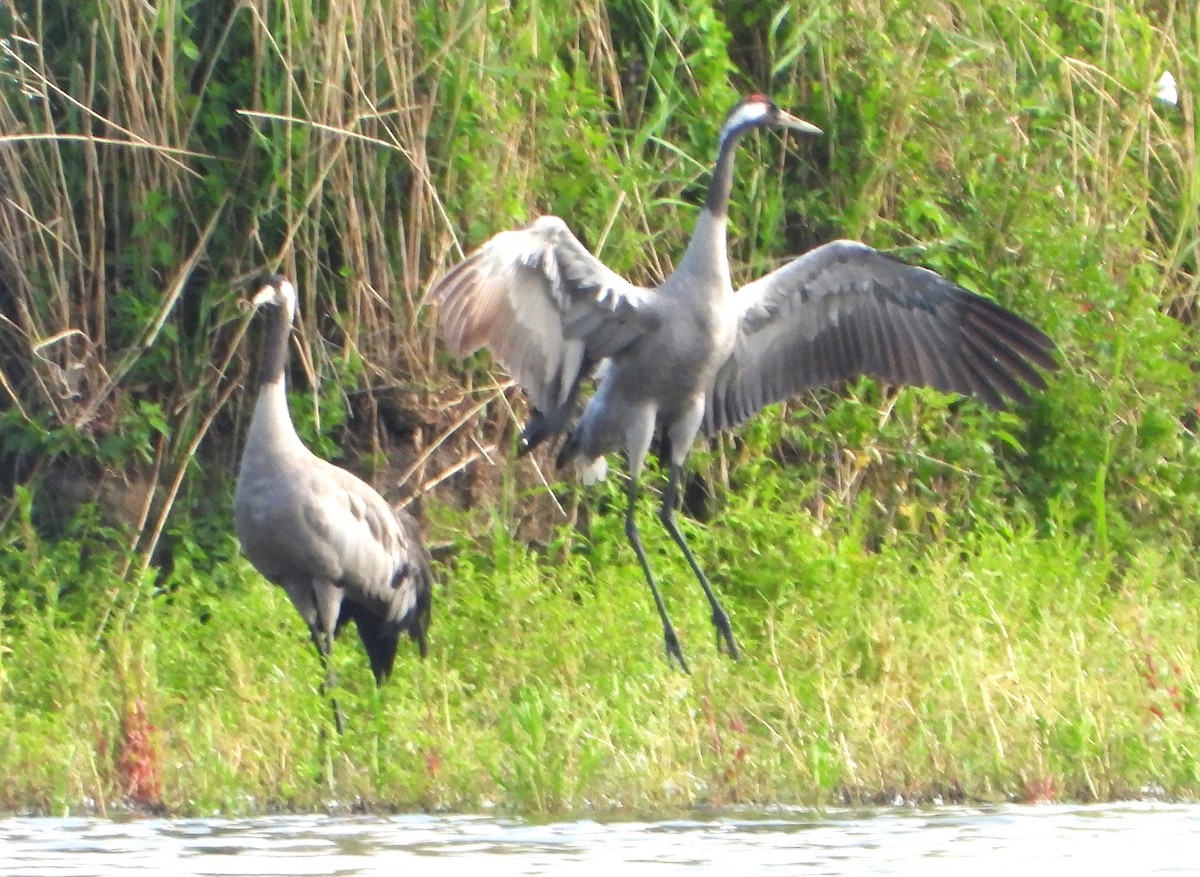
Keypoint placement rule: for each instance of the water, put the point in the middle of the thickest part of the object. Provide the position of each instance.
(1030, 840)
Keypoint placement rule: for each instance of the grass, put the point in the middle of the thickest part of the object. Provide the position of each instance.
(934, 600)
(1015, 667)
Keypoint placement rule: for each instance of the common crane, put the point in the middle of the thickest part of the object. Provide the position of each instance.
(693, 356)
(323, 535)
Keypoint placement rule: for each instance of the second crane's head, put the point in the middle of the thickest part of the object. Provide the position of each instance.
(759, 111)
(277, 292)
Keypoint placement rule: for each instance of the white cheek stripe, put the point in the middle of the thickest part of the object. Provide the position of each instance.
(746, 115)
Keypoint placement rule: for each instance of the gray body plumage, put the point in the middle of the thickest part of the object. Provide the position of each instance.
(338, 549)
(693, 356)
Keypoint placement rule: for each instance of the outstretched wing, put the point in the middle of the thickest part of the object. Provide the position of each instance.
(544, 306)
(844, 310)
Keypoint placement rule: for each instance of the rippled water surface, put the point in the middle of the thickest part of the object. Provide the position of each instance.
(1021, 841)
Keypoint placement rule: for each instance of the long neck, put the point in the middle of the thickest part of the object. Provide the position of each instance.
(275, 351)
(716, 201)
(707, 252)
(271, 421)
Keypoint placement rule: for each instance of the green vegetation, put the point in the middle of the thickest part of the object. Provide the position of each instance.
(933, 599)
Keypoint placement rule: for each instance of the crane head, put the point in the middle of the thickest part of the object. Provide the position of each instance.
(276, 291)
(759, 111)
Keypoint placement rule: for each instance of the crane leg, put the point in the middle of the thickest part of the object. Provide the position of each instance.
(631, 532)
(324, 643)
(720, 618)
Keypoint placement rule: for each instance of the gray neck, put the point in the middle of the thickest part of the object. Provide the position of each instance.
(707, 255)
(716, 201)
(271, 427)
(275, 350)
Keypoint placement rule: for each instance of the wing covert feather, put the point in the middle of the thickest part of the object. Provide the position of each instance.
(375, 550)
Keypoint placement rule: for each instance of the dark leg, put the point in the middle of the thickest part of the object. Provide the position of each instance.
(325, 649)
(631, 531)
(720, 618)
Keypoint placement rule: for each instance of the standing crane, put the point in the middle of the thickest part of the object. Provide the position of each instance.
(692, 356)
(324, 536)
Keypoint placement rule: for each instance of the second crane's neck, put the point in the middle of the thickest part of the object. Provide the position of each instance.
(271, 422)
(708, 252)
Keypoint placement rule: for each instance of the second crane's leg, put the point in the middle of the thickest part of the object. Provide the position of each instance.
(720, 618)
(631, 532)
(325, 649)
